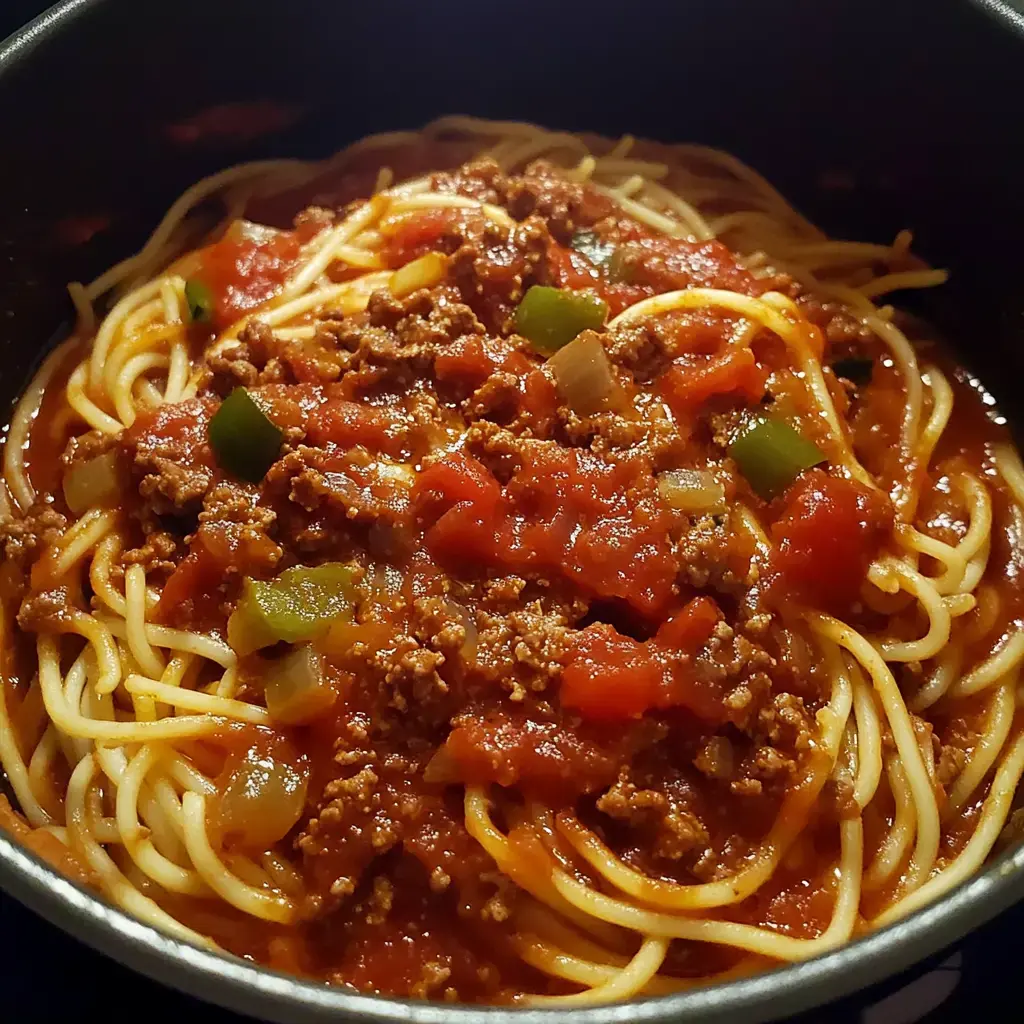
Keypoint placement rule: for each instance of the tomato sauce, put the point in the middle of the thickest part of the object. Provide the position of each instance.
(594, 523)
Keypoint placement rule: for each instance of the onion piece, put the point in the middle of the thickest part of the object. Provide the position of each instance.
(692, 490)
(424, 272)
(96, 483)
(296, 687)
(441, 768)
(242, 230)
(402, 473)
(583, 374)
(472, 638)
(263, 799)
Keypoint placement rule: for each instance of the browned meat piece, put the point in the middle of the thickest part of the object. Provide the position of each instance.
(493, 269)
(952, 761)
(663, 814)
(842, 329)
(481, 179)
(171, 456)
(714, 554)
(398, 340)
(550, 759)
(339, 492)
(88, 445)
(234, 521)
(359, 817)
(160, 553)
(564, 205)
(541, 190)
(522, 650)
(717, 758)
(25, 537)
(787, 723)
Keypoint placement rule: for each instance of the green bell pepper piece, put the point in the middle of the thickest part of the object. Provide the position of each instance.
(301, 603)
(552, 317)
(771, 455)
(199, 299)
(244, 438)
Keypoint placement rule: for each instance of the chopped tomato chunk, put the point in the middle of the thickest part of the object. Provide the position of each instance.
(621, 295)
(243, 273)
(191, 592)
(564, 512)
(540, 399)
(509, 748)
(351, 423)
(689, 628)
(733, 371)
(458, 478)
(180, 421)
(611, 676)
(411, 235)
(571, 269)
(464, 363)
(661, 263)
(829, 531)
(688, 331)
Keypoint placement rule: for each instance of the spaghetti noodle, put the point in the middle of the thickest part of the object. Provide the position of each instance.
(538, 571)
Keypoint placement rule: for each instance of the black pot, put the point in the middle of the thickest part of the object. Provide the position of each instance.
(871, 116)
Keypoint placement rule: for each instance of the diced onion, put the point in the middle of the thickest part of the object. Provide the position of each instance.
(398, 472)
(583, 374)
(470, 643)
(93, 484)
(242, 230)
(262, 800)
(441, 768)
(296, 688)
(692, 490)
(424, 272)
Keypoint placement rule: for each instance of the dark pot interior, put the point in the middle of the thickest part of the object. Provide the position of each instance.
(871, 116)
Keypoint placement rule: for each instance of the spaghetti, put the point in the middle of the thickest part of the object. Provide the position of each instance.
(537, 571)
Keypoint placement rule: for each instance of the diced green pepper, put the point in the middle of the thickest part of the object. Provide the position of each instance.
(552, 317)
(593, 247)
(298, 605)
(199, 299)
(771, 455)
(855, 368)
(243, 437)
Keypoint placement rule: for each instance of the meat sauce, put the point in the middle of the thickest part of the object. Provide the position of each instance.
(531, 613)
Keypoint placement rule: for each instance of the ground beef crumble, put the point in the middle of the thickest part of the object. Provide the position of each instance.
(25, 537)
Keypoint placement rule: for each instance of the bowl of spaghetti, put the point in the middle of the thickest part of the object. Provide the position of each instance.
(498, 568)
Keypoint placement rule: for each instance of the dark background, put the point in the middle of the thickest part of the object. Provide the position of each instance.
(44, 975)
